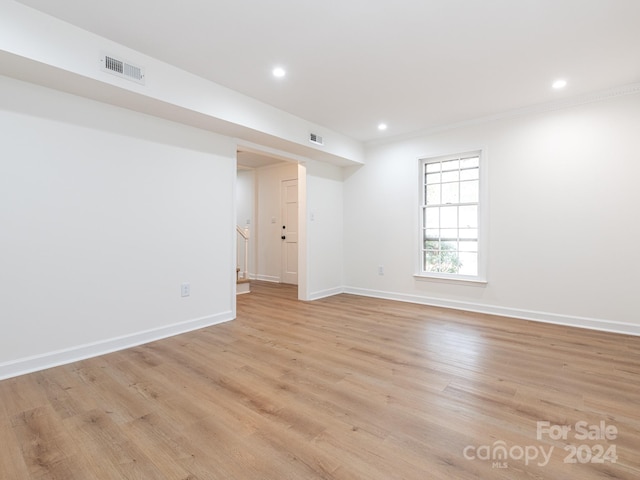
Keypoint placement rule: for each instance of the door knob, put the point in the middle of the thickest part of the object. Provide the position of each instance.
(283, 237)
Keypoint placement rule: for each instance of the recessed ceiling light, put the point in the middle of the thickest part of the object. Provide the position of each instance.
(382, 126)
(279, 72)
(560, 83)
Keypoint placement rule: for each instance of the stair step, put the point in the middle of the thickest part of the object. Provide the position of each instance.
(243, 286)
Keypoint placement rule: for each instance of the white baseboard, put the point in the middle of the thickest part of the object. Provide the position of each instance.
(325, 293)
(267, 278)
(81, 352)
(545, 317)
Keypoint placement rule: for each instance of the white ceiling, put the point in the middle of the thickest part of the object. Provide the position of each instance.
(255, 160)
(414, 64)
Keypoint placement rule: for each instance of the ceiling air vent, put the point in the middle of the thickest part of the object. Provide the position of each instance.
(122, 68)
(317, 139)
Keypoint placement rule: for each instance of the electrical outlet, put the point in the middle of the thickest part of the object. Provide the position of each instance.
(380, 269)
(185, 289)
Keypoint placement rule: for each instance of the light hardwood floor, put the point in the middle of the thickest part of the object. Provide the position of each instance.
(341, 388)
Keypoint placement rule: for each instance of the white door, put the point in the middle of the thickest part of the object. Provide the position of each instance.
(289, 231)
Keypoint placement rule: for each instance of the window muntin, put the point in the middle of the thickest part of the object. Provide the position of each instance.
(450, 213)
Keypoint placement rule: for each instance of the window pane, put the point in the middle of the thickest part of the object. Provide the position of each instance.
(449, 261)
(433, 194)
(451, 176)
(432, 217)
(472, 174)
(431, 233)
(468, 217)
(450, 193)
(433, 167)
(449, 217)
(469, 233)
(469, 263)
(468, 246)
(433, 178)
(451, 165)
(441, 262)
(469, 192)
(449, 246)
(449, 234)
(470, 162)
(432, 245)
(431, 261)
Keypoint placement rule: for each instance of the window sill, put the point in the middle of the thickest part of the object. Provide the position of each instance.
(479, 282)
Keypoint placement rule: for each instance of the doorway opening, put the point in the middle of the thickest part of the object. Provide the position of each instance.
(269, 206)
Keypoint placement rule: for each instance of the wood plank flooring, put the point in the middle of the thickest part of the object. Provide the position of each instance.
(342, 388)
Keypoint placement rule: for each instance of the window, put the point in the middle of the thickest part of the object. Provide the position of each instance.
(450, 230)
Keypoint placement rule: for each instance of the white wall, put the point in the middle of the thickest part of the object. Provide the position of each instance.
(564, 197)
(103, 213)
(324, 220)
(268, 219)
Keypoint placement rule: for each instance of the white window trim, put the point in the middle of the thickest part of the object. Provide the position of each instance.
(483, 222)
(450, 278)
